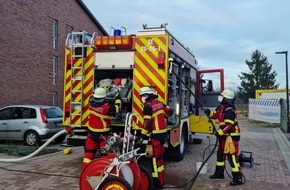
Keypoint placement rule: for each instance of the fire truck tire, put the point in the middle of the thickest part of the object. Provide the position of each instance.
(146, 182)
(115, 183)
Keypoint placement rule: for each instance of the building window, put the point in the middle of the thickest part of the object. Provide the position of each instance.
(54, 99)
(54, 34)
(54, 70)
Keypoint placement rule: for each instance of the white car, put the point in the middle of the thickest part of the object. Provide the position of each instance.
(30, 123)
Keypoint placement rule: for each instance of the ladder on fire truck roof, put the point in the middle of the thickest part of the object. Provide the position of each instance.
(77, 45)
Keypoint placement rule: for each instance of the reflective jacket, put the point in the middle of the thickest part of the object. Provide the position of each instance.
(154, 117)
(227, 117)
(100, 117)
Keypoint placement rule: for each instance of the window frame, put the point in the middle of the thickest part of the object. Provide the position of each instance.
(54, 98)
(54, 34)
(54, 70)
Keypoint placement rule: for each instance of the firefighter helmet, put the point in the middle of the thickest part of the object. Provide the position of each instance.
(145, 90)
(228, 94)
(99, 93)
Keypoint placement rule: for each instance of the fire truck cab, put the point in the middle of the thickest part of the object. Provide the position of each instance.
(122, 64)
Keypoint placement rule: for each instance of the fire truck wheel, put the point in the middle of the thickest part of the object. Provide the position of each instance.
(115, 183)
(146, 179)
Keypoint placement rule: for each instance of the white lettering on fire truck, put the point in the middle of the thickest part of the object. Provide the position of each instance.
(150, 46)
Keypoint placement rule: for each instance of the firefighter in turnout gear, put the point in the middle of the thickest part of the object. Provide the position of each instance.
(155, 113)
(100, 114)
(228, 136)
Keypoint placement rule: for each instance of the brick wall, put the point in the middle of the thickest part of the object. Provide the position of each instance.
(27, 48)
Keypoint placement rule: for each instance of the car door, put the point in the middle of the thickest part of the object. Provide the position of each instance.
(5, 117)
(18, 124)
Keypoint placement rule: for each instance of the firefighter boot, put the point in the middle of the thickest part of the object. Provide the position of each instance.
(237, 179)
(218, 174)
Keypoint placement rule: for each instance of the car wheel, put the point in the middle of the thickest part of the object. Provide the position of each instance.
(60, 138)
(32, 138)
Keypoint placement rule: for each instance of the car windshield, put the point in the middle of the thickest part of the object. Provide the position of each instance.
(53, 112)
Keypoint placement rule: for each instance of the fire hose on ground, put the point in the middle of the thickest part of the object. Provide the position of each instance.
(192, 181)
(36, 151)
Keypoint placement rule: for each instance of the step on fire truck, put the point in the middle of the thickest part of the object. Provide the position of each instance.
(123, 64)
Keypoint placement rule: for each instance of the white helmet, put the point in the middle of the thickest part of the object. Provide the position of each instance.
(145, 90)
(228, 94)
(99, 93)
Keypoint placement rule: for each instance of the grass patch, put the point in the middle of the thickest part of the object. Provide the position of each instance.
(21, 150)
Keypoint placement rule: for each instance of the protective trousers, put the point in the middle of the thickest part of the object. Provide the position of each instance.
(232, 159)
(157, 163)
(92, 145)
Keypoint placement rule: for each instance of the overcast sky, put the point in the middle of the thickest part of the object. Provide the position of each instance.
(220, 33)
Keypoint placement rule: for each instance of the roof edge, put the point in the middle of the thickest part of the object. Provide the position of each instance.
(81, 3)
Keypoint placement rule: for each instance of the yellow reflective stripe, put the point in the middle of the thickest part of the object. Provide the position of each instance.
(222, 123)
(220, 132)
(118, 101)
(159, 131)
(117, 108)
(147, 117)
(144, 131)
(86, 160)
(160, 168)
(236, 165)
(229, 121)
(220, 163)
(157, 113)
(234, 134)
(156, 125)
(99, 115)
(154, 172)
(99, 130)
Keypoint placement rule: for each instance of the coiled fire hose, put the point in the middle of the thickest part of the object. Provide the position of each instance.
(36, 151)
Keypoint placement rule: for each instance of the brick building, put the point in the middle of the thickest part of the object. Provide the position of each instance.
(32, 41)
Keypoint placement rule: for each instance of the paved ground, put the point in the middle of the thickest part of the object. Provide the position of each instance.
(269, 146)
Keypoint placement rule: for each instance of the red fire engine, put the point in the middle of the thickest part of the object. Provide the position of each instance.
(123, 64)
